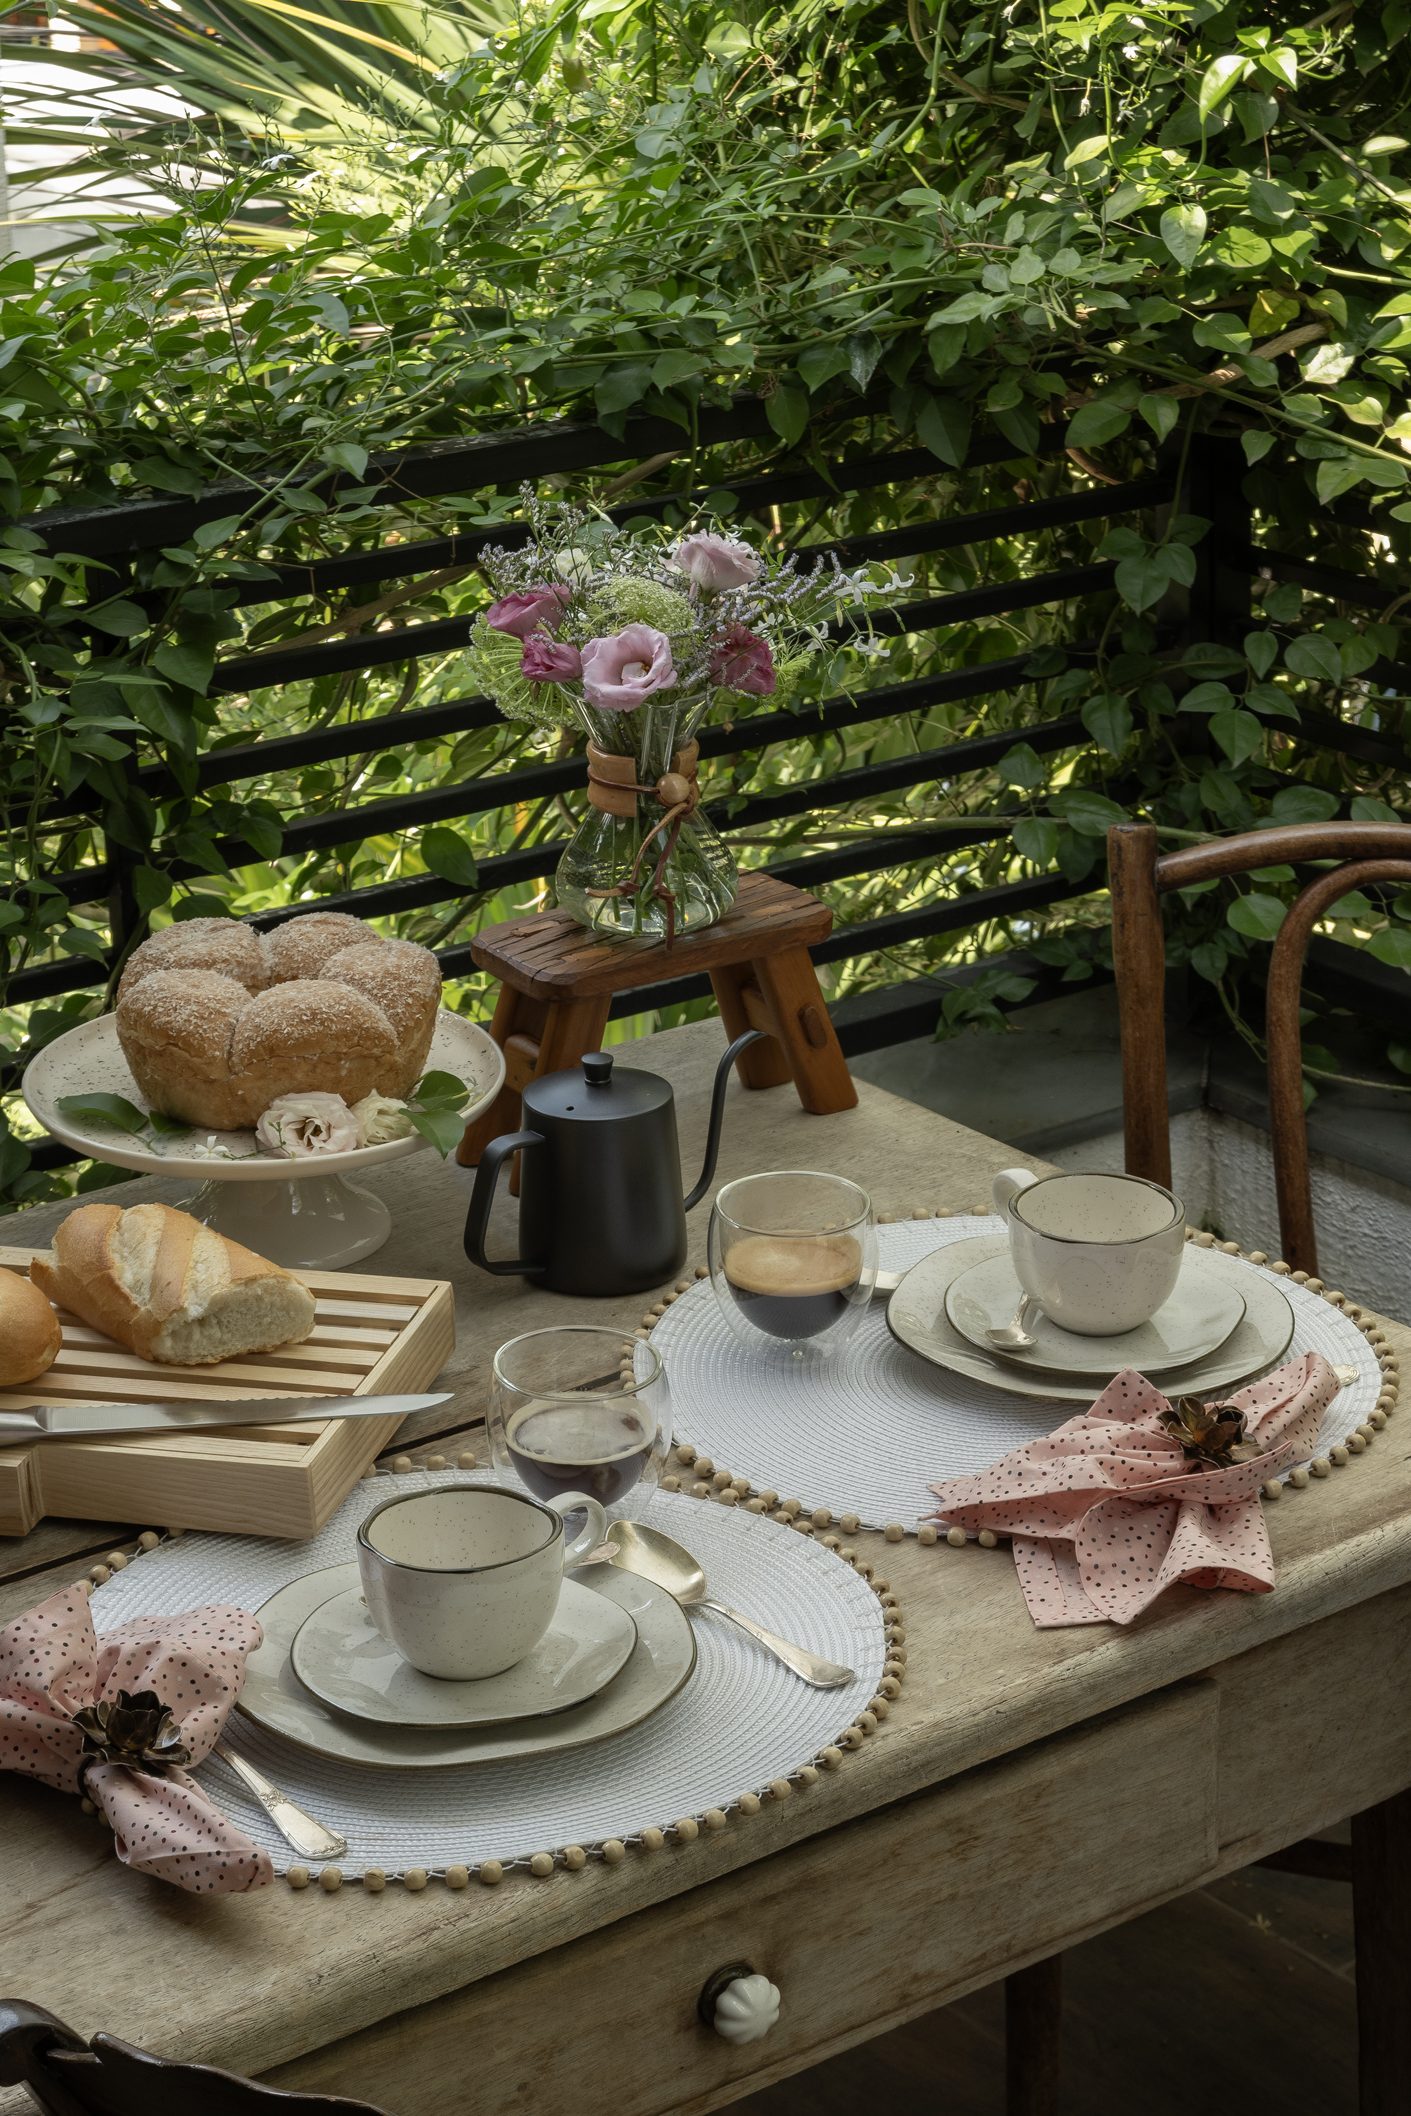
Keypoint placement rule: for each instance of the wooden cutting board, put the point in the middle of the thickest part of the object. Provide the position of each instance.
(371, 1336)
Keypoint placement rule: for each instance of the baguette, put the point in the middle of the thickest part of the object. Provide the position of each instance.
(170, 1289)
(29, 1331)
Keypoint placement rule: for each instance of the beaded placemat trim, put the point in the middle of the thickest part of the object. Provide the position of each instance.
(608, 1851)
(704, 1480)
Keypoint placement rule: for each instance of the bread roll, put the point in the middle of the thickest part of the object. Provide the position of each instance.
(220, 944)
(170, 1289)
(301, 946)
(175, 1028)
(29, 1331)
(313, 1030)
(404, 983)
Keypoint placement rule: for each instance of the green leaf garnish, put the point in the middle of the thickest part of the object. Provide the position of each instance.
(114, 1111)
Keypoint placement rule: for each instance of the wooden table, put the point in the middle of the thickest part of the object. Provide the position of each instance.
(1028, 1789)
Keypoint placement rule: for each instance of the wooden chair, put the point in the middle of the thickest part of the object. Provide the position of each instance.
(67, 2077)
(1380, 1863)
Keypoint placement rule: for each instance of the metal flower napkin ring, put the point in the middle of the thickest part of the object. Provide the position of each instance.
(134, 1728)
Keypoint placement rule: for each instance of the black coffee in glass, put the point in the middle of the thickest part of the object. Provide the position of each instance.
(793, 1286)
(599, 1446)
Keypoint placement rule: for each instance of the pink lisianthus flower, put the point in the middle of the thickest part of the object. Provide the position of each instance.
(527, 609)
(714, 563)
(550, 660)
(621, 672)
(742, 661)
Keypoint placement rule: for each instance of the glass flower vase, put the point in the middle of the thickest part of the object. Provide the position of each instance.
(646, 864)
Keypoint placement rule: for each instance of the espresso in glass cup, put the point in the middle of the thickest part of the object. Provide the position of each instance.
(793, 1258)
(581, 1409)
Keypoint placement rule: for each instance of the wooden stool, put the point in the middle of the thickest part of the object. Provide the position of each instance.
(557, 984)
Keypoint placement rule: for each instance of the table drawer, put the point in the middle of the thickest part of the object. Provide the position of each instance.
(860, 1928)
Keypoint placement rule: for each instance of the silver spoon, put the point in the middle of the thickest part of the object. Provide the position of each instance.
(1012, 1336)
(659, 1558)
(295, 1826)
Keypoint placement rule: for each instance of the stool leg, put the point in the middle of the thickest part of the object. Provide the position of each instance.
(515, 1015)
(802, 1023)
(1381, 1916)
(742, 1007)
(571, 1027)
(1033, 2007)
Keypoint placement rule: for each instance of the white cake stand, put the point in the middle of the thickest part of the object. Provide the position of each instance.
(302, 1213)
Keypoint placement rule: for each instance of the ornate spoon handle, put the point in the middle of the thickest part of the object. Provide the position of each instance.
(822, 1674)
(297, 1828)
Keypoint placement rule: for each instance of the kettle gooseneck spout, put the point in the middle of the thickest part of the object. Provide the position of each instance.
(717, 1112)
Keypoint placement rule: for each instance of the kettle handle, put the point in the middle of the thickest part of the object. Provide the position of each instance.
(717, 1111)
(477, 1221)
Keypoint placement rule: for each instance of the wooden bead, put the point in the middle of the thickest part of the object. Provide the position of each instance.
(115, 1561)
(298, 1877)
(780, 1516)
(889, 1686)
(1314, 1285)
(957, 1538)
(1273, 1489)
(879, 1707)
(687, 1830)
(1377, 1420)
(867, 1721)
(894, 1532)
(489, 1873)
(1281, 1267)
(331, 1880)
(755, 1506)
(852, 1739)
(885, 1219)
(683, 1285)
(748, 1803)
(863, 1567)
(1258, 1256)
(1338, 1457)
(98, 1574)
(415, 1878)
(1230, 1248)
(704, 1466)
(653, 1839)
(770, 1498)
(700, 1489)
(791, 1507)
(401, 1465)
(808, 1774)
(86, 1807)
(987, 1539)
(728, 1497)
(575, 1858)
(457, 1877)
(741, 1487)
(541, 1865)
(1298, 1478)
(614, 1851)
(780, 1789)
(374, 1881)
(467, 1458)
(149, 1539)
(821, 1516)
(686, 1453)
(1320, 1466)
(671, 1484)
(716, 1818)
(883, 1591)
(436, 1462)
(1358, 1442)
(849, 1524)
(701, 1271)
(928, 1534)
(830, 1757)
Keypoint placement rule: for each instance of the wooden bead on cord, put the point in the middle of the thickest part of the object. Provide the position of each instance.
(298, 1877)
(574, 1858)
(330, 1880)
(458, 1877)
(415, 1878)
(614, 1851)
(541, 1865)
(489, 1873)
(374, 1881)
(467, 1458)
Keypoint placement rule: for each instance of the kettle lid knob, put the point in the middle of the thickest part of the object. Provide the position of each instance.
(597, 1068)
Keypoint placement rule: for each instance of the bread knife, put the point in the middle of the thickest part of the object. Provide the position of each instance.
(116, 1421)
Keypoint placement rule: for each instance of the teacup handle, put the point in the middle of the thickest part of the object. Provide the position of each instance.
(1008, 1184)
(590, 1535)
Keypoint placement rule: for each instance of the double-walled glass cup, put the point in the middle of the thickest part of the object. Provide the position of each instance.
(581, 1409)
(793, 1258)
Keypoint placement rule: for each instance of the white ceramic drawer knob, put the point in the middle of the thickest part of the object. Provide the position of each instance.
(745, 2008)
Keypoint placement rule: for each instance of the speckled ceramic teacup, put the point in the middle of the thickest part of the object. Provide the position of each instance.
(465, 1581)
(1099, 1253)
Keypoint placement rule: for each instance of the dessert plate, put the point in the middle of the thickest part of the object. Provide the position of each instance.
(273, 1697)
(916, 1317)
(1198, 1317)
(341, 1656)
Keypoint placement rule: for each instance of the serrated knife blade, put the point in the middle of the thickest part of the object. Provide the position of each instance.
(120, 1421)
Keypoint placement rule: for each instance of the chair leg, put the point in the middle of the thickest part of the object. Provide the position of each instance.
(1381, 1917)
(1033, 2014)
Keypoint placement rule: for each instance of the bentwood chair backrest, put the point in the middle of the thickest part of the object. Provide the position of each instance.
(1139, 877)
(68, 2077)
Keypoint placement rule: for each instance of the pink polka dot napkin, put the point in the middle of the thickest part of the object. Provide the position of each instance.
(53, 1667)
(1108, 1512)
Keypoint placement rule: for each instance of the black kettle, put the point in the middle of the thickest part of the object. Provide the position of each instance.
(600, 1206)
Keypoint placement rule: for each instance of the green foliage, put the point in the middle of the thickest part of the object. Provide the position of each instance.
(951, 227)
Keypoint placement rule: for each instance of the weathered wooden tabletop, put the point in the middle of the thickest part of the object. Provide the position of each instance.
(268, 1981)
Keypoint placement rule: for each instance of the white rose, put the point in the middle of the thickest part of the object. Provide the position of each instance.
(307, 1124)
(380, 1118)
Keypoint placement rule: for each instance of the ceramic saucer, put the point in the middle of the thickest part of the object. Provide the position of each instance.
(341, 1656)
(1199, 1316)
(273, 1696)
(916, 1317)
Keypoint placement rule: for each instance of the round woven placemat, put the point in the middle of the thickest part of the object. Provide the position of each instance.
(862, 1437)
(742, 1731)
